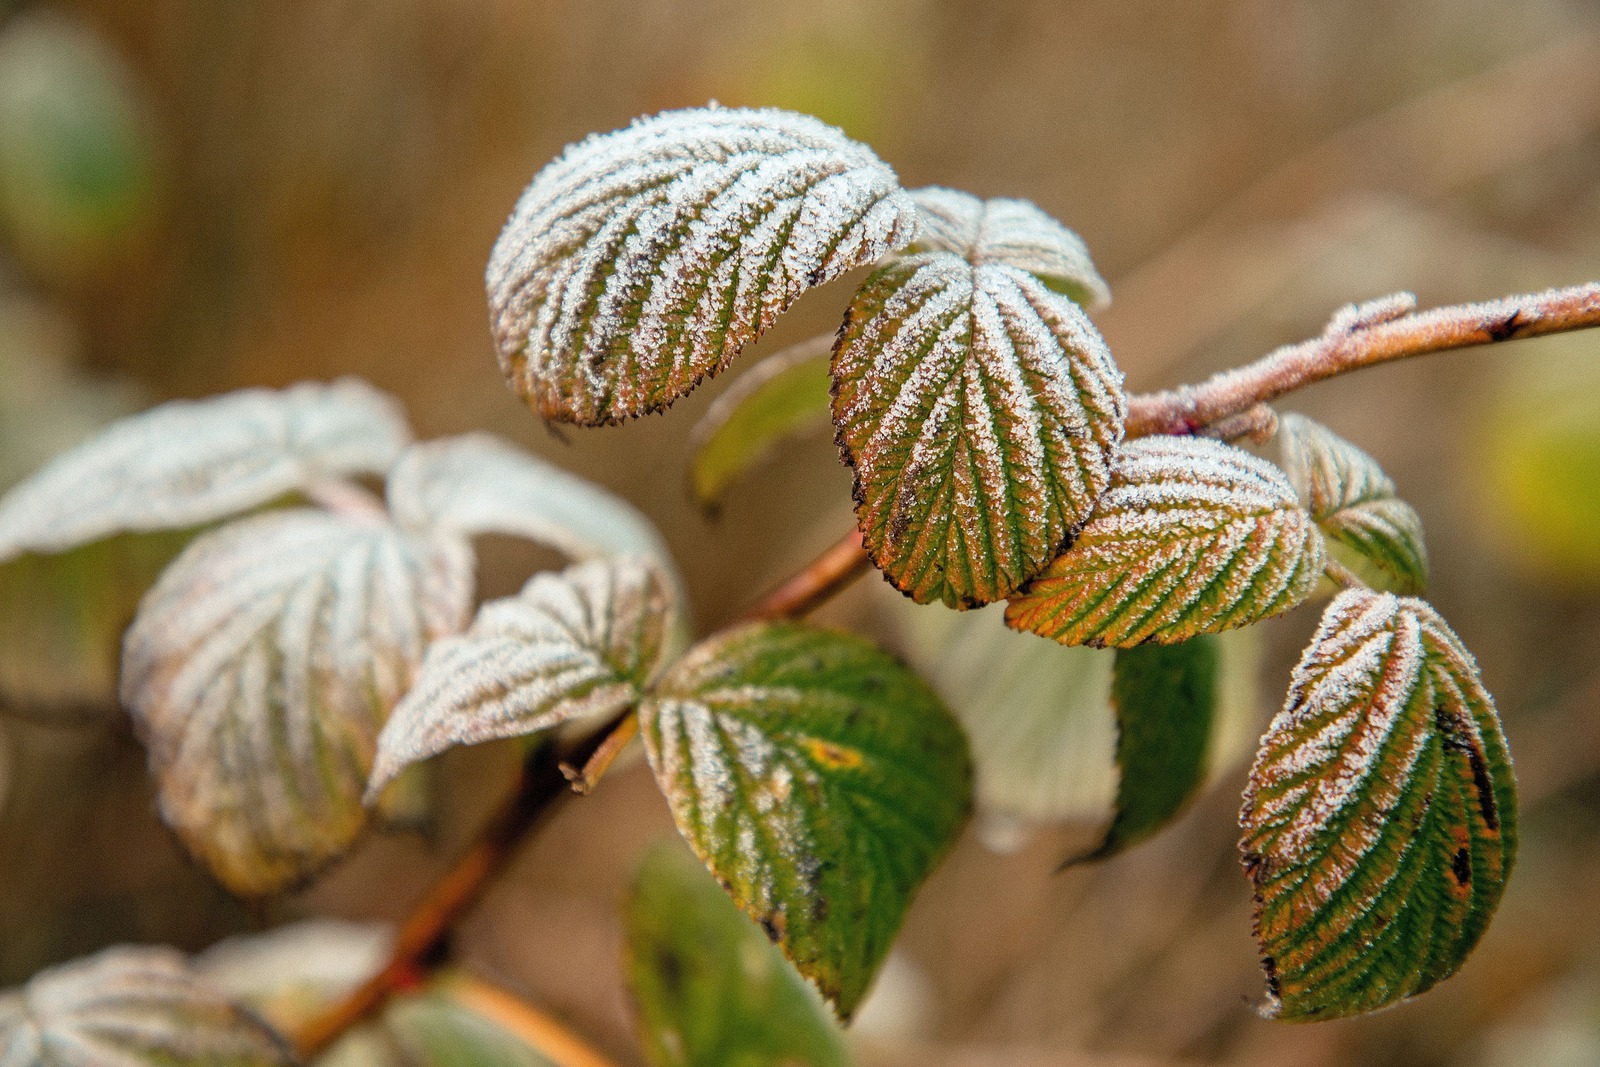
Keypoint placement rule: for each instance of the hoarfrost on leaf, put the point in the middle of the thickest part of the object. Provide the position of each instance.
(642, 260)
(818, 779)
(1194, 536)
(980, 411)
(262, 665)
(1380, 817)
(1014, 233)
(186, 463)
(577, 645)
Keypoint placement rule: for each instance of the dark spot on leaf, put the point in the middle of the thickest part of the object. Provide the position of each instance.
(1461, 866)
(1270, 965)
(670, 967)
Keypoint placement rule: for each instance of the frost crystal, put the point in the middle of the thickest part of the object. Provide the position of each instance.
(1379, 822)
(1354, 502)
(642, 260)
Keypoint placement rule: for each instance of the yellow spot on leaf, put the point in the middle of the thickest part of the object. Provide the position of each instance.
(835, 757)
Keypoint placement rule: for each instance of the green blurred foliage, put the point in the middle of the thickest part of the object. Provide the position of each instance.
(78, 168)
(1540, 451)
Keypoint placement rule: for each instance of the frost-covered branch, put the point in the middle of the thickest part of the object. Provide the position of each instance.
(1360, 336)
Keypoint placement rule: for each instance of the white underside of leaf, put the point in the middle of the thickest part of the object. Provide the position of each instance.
(191, 462)
(260, 669)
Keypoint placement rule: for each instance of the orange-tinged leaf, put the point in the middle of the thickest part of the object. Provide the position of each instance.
(1194, 536)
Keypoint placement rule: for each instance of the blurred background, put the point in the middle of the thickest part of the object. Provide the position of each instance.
(196, 196)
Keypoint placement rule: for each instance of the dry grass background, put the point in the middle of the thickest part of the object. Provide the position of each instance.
(336, 171)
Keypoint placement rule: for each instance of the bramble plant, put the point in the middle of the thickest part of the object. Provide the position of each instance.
(312, 646)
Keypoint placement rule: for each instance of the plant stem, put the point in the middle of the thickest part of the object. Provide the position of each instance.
(1351, 343)
(842, 563)
(1230, 402)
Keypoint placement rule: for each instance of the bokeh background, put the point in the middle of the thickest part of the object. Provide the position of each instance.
(196, 196)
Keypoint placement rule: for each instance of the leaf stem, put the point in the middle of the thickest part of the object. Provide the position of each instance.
(1342, 576)
(1352, 342)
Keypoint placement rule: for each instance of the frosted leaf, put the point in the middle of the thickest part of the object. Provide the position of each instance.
(1380, 817)
(980, 411)
(1354, 503)
(642, 260)
(1194, 536)
(782, 397)
(130, 1007)
(260, 669)
(1013, 233)
(478, 484)
(580, 644)
(191, 462)
(818, 779)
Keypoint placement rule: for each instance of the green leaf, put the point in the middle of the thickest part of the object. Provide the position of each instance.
(1380, 818)
(1354, 503)
(818, 779)
(578, 645)
(980, 411)
(1194, 536)
(187, 463)
(708, 986)
(1165, 698)
(642, 260)
(260, 669)
(78, 174)
(781, 397)
(1014, 233)
(133, 1007)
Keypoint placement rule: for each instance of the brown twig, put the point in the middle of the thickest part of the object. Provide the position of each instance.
(844, 562)
(1362, 344)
